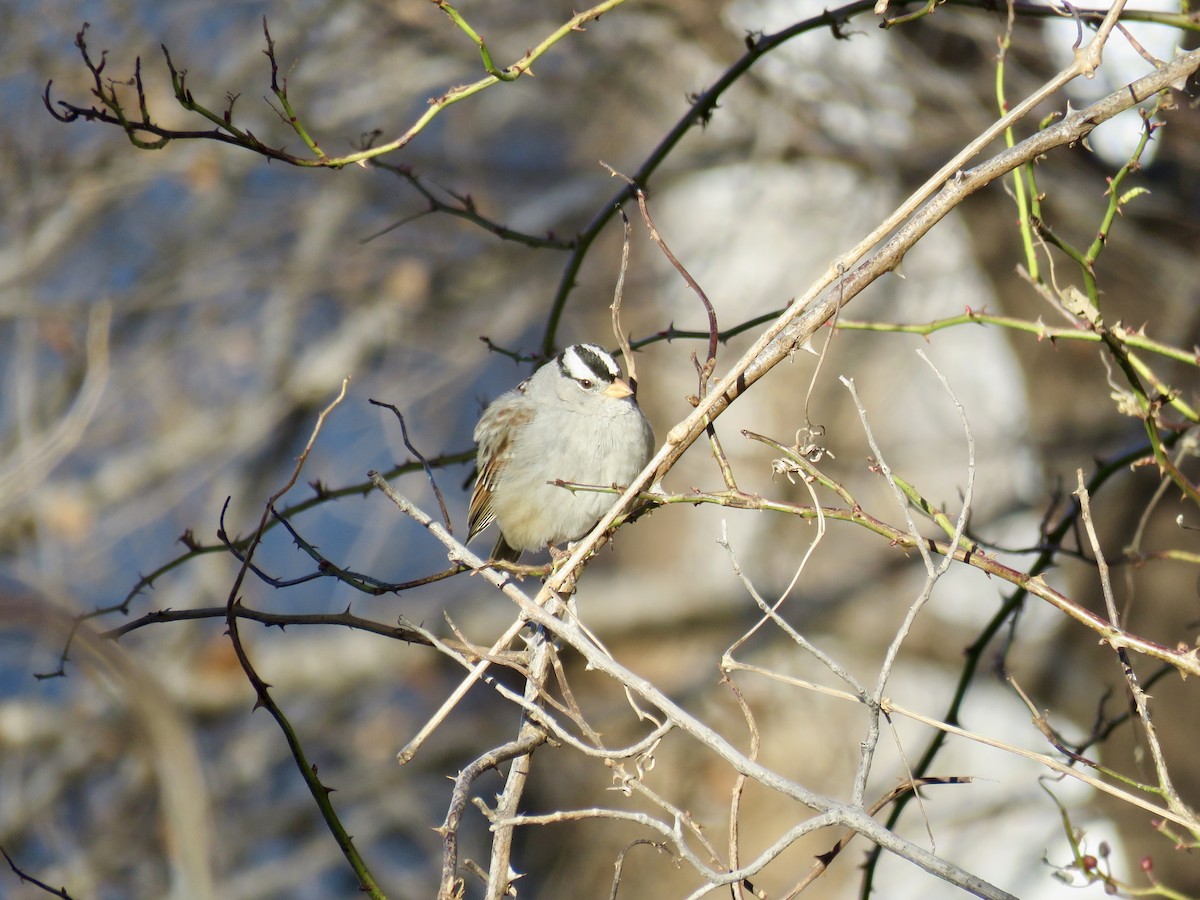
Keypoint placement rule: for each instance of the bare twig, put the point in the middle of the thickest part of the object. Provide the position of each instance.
(437, 491)
(800, 320)
(830, 812)
(463, 207)
(519, 660)
(111, 111)
(913, 785)
(319, 791)
(530, 735)
(1140, 700)
(1050, 762)
(933, 573)
(739, 785)
(619, 865)
(771, 612)
(27, 878)
(458, 554)
(450, 885)
(713, 329)
(1186, 660)
(618, 296)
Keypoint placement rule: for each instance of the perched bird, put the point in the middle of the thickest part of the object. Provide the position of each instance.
(573, 420)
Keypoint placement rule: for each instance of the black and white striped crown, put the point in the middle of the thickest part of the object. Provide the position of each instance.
(587, 362)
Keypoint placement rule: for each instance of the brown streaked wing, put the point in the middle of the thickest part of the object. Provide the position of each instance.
(499, 424)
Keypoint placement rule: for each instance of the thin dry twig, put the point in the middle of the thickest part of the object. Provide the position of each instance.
(1140, 700)
(800, 320)
(320, 793)
(1085, 62)
(437, 491)
(24, 878)
(500, 870)
(913, 785)
(1056, 765)
(713, 329)
(830, 812)
(739, 784)
(111, 109)
(618, 296)
(771, 613)
(619, 865)
(451, 884)
(673, 833)
(933, 573)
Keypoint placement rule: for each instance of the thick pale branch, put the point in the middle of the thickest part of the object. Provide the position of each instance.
(801, 320)
(571, 633)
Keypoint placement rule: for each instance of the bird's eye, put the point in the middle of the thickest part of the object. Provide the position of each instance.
(586, 384)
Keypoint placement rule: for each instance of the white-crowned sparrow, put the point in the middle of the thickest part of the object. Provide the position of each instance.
(575, 420)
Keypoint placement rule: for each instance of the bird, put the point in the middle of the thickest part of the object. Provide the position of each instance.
(575, 420)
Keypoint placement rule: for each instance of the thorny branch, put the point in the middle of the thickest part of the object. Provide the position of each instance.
(111, 109)
(568, 631)
(798, 323)
(308, 771)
